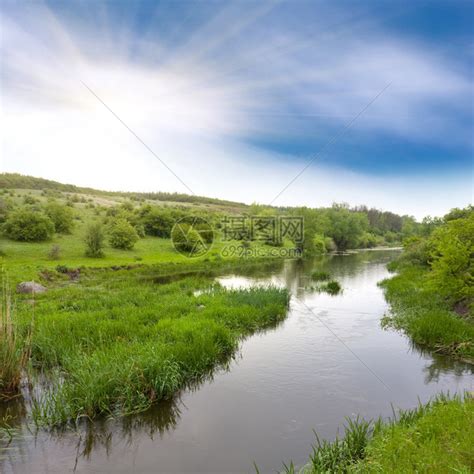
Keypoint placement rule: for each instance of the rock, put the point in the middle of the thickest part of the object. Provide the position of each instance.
(30, 287)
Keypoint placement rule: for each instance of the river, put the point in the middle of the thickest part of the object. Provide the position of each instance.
(330, 359)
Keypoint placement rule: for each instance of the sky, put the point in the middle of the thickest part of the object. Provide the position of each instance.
(283, 102)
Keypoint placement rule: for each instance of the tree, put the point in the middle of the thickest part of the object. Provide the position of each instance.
(346, 227)
(452, 264)
(122, 235)
(29, 226)
(62, 217)
(94, 240)
(156, 221)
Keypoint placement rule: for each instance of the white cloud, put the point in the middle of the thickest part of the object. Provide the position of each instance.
(197, 108)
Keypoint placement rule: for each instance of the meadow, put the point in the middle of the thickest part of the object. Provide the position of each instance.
(114, 344)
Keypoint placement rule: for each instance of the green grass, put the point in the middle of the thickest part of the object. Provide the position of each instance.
(116, 342)
(108, 338)
(27, 260)
(332, 287)
(318, 275)
(14, 349)
(425, 316)
(436, 437)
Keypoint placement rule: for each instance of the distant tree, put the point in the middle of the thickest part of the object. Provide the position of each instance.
(346, 227)
(429, 224)
(457, 213)
(122, 235)
(28, 225)
(62, 217)
(94, 240)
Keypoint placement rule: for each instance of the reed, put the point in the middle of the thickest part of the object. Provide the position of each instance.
(14, 349)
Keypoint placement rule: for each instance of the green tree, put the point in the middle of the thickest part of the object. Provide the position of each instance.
(94, 240)
(62, 217)
(156, 221)
(346, 227)
(29, 226)
(452, 265)
(122, 235)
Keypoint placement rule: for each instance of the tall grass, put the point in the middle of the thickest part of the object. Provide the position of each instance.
(425, 316)
(319, 275)
(434, 437)
(14, 349)
(115, 346)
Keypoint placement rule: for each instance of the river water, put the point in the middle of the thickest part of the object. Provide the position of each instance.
(330, 359)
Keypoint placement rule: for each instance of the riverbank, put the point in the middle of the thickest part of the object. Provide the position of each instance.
(425, 315)
(116, 342)
(436, 437)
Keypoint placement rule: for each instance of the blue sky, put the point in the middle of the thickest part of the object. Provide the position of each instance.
(237, 97)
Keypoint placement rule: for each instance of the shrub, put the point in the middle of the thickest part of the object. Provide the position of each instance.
(62, 217)
(452, 265)
(332, 287)
(205, 231)
(416, 251)
(5, 208)
(368, 241)
(122, 235)
(319, 244)
(94, 240)
(28, 226)
(30, 200)
(55, 252)
(186, 239)
(157, 222)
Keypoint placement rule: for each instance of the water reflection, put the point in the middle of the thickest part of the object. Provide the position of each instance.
(283, 383)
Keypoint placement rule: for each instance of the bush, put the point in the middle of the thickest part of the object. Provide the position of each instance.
(319, 244)
(62, 217)
(94, 240)
(416, 251)
(186, 239)
(5, 208)
(54, 253)
(332, 287)
(368, 241)
(28, 226)
(122, 235)
(30, 200)
(157, 222)
(452, 264)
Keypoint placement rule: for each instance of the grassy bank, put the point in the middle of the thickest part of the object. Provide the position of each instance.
(436, 437)
(432, 296)
(425, 315)
(116, 342)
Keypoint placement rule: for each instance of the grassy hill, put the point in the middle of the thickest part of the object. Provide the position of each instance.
(15, 181)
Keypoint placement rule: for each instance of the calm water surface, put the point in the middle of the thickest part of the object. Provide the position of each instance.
(329, 359)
